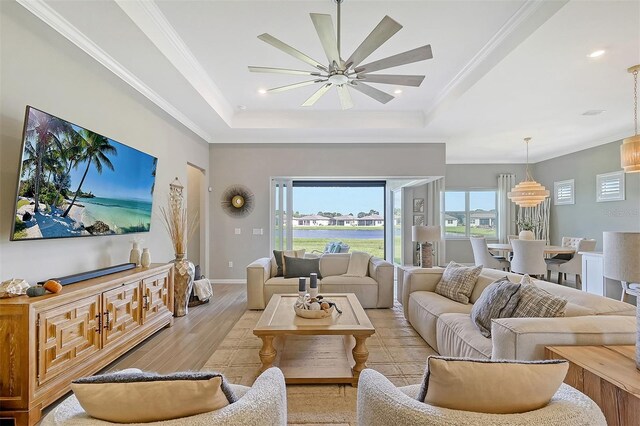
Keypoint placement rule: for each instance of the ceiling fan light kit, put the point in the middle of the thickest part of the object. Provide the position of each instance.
(630, 148)
(345, 74)
(528, 193)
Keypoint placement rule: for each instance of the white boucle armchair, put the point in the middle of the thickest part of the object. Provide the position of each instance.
(381, 403)
(263, 404)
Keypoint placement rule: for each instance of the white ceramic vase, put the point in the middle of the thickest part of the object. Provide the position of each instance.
(526, 235)
(134, 255)
(145, 260)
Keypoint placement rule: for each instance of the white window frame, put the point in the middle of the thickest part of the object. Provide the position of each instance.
(564, 192)
(467, 197)
(602, 180)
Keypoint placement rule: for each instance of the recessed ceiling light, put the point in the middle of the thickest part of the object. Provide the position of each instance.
(397, 91)
(242, 107)
(596, 53)
(262, 91)
(594, 112)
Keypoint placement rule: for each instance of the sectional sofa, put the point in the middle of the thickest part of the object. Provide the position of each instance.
(373, 291)
(447, 327)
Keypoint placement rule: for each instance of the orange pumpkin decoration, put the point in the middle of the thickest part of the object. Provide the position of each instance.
(53, 286)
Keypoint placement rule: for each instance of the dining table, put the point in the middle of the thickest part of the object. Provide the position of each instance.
(548, 250)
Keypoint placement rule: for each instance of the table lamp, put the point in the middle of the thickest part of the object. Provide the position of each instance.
(621, 252)
(424, 235)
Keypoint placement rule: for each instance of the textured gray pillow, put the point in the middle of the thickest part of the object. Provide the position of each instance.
(498, 300)
(538, 303)
(134, 376)
(457, 282)
(296, 267)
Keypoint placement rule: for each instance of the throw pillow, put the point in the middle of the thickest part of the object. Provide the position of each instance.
(488, 386)
(498, 300)
(137, 396)
(296, 267)
(278, 256)
(358, 264)
(537, 303)
(457, 282)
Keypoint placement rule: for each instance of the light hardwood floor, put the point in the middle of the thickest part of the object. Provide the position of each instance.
(193, 338)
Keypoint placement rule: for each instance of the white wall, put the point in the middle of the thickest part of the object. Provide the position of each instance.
(42, 69)
(253, 165)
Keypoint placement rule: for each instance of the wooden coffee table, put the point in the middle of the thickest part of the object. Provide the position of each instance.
(315, 351)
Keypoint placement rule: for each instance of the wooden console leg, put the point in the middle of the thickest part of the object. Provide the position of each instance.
(360, 356)
(268, 352)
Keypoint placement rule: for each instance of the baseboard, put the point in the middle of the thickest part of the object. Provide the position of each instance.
(228, 281)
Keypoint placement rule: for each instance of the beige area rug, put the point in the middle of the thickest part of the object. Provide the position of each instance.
(395, 350)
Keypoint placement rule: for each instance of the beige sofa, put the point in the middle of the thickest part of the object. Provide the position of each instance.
(373, 291)
(447, 327)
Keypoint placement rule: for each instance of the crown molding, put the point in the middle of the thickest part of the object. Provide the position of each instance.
(152, 22)
(52, 18)
(528, 18)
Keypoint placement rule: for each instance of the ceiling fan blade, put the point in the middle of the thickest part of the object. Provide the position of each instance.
(376, 94)
(400, 80)
(282, 71)
(294, 86)
(317, 95)
(267, 38)
(327, 35)
(408, 57)
(345, 97)
(380, 34)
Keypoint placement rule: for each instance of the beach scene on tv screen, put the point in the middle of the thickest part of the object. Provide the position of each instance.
(74, 182)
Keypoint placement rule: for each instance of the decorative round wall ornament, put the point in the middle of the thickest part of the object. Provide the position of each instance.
(237, 201)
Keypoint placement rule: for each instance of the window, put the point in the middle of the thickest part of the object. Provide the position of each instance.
(470, 213)
(397, 226)
(563, 192)
(610, 187)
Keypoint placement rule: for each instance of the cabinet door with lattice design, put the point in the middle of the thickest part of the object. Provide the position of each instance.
(67, 335)
(122, 313)
(156, 297)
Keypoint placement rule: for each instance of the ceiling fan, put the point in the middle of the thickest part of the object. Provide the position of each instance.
(344, 74)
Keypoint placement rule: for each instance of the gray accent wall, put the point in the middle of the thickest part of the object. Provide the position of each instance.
(42, 69)
(588, 218)
(253, 165)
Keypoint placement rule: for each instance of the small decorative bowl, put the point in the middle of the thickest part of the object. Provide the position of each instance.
(306, 313)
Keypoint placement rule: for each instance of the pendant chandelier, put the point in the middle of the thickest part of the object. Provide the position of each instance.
(528, 193)
(630, 148)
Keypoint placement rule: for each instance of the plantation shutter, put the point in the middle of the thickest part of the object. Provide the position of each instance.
(610, 186)
(563, 192)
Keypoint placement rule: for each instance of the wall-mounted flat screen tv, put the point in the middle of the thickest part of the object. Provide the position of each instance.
(76, 183)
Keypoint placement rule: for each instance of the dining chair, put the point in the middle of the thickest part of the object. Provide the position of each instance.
(483, 257)
(571, 242)
(571, 266)
(528, 257)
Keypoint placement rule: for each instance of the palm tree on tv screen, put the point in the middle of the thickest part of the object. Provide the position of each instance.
(95, 150)
(45, 130)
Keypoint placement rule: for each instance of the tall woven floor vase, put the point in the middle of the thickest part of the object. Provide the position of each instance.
(184, 272)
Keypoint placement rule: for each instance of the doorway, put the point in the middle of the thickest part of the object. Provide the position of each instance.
(195, 209)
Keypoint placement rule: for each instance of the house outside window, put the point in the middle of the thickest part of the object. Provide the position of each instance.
(470, 213)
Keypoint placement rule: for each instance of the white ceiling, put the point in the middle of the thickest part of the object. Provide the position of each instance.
(502, 70)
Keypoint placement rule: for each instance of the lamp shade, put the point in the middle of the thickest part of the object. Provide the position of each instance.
(422, 233)
(630, 154)
(621, 251)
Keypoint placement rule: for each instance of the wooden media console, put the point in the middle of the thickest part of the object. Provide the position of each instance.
(51, 340)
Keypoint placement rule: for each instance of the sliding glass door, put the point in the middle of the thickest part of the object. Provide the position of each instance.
(335, 216)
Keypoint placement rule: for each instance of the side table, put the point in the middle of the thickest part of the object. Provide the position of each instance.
(400, 270)
(606, 374)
